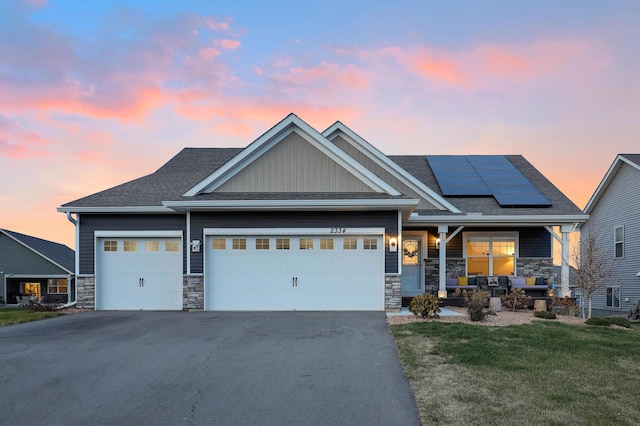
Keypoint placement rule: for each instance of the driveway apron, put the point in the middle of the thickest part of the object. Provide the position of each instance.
(204, 368)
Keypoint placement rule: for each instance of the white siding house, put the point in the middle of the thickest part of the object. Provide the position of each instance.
(614, 211)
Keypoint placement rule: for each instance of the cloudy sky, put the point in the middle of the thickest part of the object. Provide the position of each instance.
(93, 94)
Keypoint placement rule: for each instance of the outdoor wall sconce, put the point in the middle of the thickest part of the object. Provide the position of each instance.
(442, 294)
(437, 243)
(195, 246)
(393, 244)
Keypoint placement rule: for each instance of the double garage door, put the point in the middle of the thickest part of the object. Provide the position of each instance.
(294, 272)
(245, 272)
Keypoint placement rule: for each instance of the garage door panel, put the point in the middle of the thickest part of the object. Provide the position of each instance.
(303, 279)
(139, 273)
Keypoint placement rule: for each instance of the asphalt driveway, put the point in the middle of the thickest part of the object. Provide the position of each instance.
(203, 368)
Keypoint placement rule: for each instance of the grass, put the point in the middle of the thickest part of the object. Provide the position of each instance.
(542, 373)
(10, 316)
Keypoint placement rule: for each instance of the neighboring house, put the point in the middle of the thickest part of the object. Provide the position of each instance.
(303, 220)
(614, 214)
(40, 269)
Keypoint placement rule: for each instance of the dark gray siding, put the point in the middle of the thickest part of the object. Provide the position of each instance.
(89, 223)
(534, 242)
(387, 220)
(17, 259)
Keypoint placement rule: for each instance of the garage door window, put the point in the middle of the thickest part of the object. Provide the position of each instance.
(110, 246)
(130, 245)
(350, 244)
(262, 244)
(153, 245)
(239, 244)
(219, 244)
(326, 243)
(306, 244)
(171, 246)
(370, 244)
(283, 243)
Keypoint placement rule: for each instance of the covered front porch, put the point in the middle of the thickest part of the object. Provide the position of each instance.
(495, 256)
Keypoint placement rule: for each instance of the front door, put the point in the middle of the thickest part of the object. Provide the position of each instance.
(411, 266)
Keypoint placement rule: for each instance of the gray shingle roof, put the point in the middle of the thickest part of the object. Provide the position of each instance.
(191, 165)
(633, 158)
(58, 253)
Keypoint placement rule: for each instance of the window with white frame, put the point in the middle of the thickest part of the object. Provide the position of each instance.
(57, 286)
(613, 297)
(491, 254)
(618, 241)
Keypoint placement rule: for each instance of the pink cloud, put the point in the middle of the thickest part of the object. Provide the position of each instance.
(230, 44)
(18, 143)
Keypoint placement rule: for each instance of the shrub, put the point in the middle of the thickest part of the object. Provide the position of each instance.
(516, 299)
(563, 306)
(606, 322)
(425, 305)
(620, 322)
(544, 314)
(476, 305)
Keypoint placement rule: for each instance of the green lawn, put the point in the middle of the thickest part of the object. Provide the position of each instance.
(545, 373)
(10, 316)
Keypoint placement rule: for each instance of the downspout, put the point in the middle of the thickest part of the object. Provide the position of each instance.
(77, 237)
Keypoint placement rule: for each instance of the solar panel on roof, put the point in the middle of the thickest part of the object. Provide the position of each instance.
(485, 175)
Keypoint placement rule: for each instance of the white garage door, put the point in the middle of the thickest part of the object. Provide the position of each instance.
(291, 272)
(139, 273)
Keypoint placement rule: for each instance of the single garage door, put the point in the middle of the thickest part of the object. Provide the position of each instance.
(292, 272)
(139, 273)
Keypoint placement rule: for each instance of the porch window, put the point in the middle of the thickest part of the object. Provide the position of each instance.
(613, 297)
(58, 286)
(491, 255)
(618, 241)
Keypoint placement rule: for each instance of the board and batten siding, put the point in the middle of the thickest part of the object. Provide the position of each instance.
(619, 205)
(89, 223)
(367, 162)
(294, 165)
(19, 260)
(386, 219)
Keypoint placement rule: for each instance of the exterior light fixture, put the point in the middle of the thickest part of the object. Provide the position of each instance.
(393, 244)
(442, 294)
(437, 243)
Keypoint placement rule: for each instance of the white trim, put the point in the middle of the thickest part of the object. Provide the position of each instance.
(273, 136)
(606, 180)
(293, 231)
(394, 169)
(142, 234)
(361, 204)
(37, 252)
(187, 241)
(126, 209)
(505, 220)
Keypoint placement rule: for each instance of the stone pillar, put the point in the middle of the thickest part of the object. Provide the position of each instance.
(86, 292)
(392, 292)
(193, 292)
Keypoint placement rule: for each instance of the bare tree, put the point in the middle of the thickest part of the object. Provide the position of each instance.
(594, 271)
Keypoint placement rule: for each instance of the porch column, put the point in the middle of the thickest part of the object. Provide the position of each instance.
(442, 268)
(564, 269)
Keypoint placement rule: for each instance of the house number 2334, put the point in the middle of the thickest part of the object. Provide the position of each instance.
(338, 230)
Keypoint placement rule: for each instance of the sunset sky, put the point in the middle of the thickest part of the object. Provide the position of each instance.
(96, 93)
